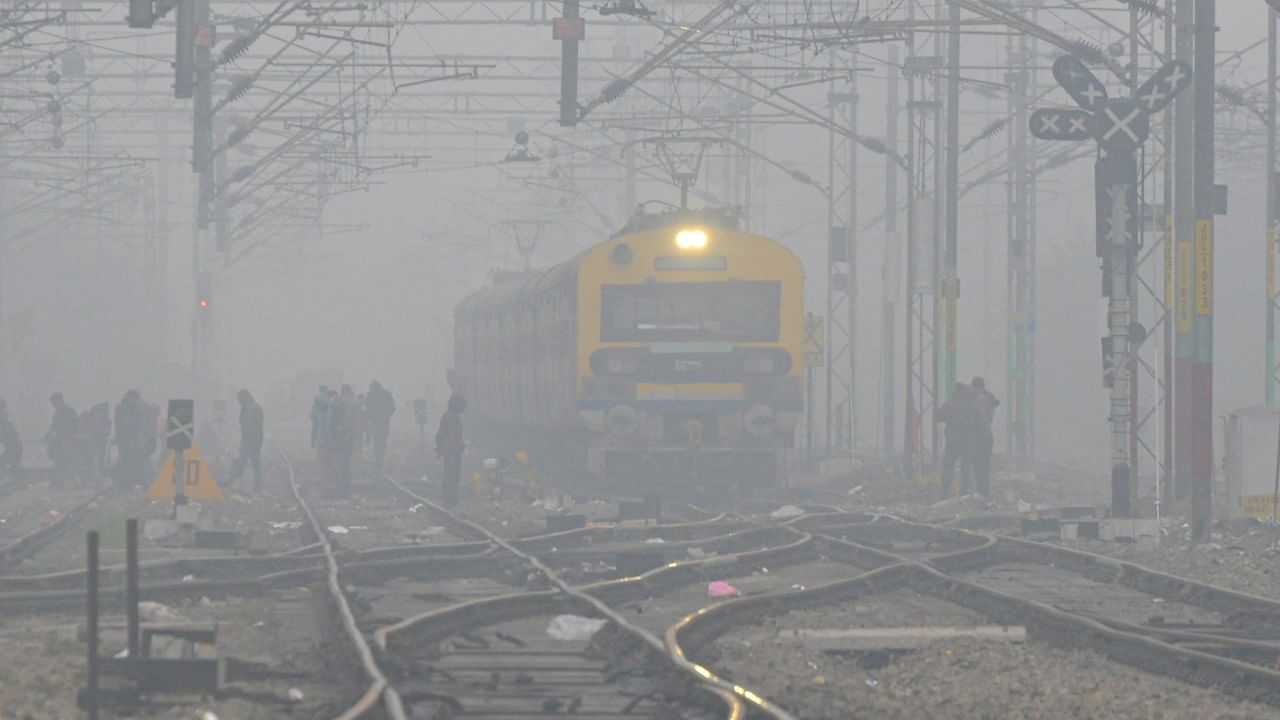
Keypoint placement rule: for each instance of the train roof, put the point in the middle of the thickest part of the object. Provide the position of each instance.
(510, 288)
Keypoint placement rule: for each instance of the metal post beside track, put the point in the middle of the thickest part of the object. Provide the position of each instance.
(91, 625)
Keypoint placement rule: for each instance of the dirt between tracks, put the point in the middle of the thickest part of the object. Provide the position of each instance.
(951, 679)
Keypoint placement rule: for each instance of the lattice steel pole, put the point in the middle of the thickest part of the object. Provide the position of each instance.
(841, 198)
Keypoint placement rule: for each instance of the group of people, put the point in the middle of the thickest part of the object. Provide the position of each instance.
(78, 444)
(968, 415)
(343, 422)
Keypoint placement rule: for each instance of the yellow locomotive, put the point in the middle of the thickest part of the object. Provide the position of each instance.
(673, 351)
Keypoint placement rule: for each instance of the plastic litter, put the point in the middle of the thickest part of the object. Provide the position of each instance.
(654, 541)
(872, 682)
(122, 654)
(295, 695)
(151, 611)
(574, 627)
(188, 578)
(208, 715)
(286, 525)
(720, 589)
(337, 530)
(786, 511)
(415, 508)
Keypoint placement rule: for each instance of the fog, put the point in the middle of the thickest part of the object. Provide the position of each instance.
(349, 247)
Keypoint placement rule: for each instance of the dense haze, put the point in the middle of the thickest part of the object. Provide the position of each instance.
(367, 288)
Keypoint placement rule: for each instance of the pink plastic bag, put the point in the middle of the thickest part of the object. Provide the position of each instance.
(721, 589)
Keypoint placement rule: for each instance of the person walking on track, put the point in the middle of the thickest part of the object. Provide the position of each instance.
(251, 432)
(449, 447)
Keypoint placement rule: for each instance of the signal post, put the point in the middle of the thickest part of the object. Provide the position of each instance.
(1119, 126)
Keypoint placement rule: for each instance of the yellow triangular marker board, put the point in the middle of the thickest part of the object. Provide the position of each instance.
(198, 482)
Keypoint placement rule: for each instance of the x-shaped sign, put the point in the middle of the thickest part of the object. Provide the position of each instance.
(1121, 125)
(1070, 124)
(1158, 91)
(1080, 83)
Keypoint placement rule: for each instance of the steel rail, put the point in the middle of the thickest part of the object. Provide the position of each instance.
(380, 691)
(935, 576)
(575, 597)
(27, 545)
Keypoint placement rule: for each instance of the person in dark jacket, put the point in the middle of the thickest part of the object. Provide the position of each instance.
(960, 414)
(251, 431)
(319, 408)
(11, 458)
(135, 440)
(345, 426)
(95, 429)
(984, 439)
(449, 447)
(379, 407)
(62, 441)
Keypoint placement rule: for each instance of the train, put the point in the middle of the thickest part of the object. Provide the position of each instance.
(673, 351)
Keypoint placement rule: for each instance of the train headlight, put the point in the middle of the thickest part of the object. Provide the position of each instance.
(691, 239)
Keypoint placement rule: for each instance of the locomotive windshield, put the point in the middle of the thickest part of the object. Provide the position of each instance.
(732, 311)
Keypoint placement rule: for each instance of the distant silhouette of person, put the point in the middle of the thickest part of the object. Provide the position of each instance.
(450, 446)
(62, 440)
(251, 433)
(960, 415)
(135, 440)
(379, 407)
(11, 458)
(984, 439)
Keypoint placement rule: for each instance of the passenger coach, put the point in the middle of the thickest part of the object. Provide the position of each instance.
(673, 351)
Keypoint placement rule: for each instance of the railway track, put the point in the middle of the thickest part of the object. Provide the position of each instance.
(458, 627)
(1158, 623)
(517, 671)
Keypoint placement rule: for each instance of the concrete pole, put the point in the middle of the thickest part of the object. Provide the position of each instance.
(950, 289)
(1202, 368)
(1183, 232)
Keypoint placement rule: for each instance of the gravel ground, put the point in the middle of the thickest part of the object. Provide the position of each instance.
(952, 679)
(1247, 561)
(42, 661)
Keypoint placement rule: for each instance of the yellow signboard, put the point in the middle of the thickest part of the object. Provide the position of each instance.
(197, 478)
(1258, 507)
(1204, 267)
(1182, 289)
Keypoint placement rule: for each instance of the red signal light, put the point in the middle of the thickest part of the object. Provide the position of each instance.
(204, 303)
